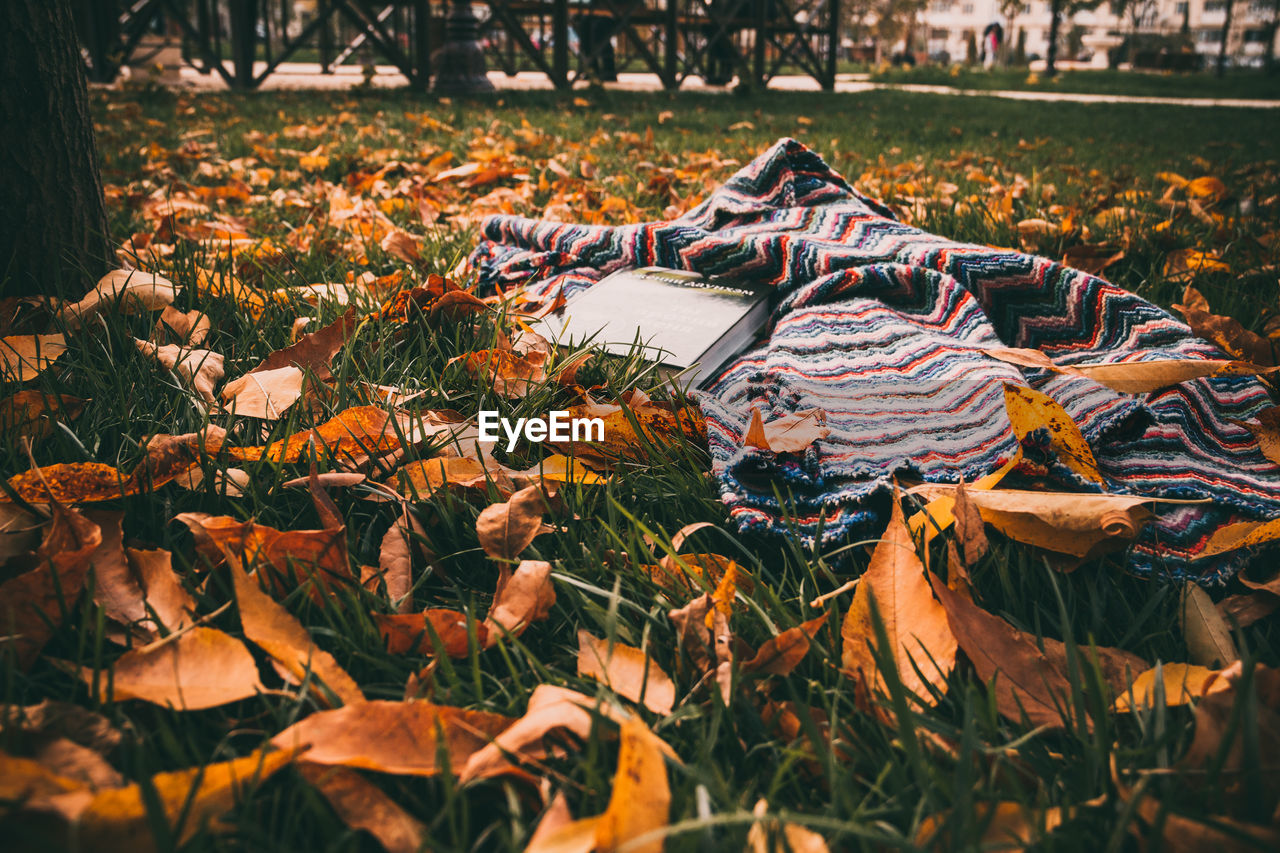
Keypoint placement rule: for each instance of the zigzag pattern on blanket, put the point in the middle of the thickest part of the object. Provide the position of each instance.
(884, 327)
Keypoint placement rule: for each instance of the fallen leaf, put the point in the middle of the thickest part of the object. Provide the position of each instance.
(788, 434)
(921, 643)
(189, 328)
(1006, 826)
(313, 352)
(551, 709)
(1225, 332)
(1207, 634)
(35, 413)
(395, 559)
(201, 369)
(525, 597)
(32, 605)
(1077, 525)
(401, 738)
(363, 805)
(267, 394)
(1265, 427)
(641, 798)
(971, 532)
(1244, 609)
(1025, 680)
(506, 529)
(1141, 377)
(202, 668)
(349, 437)
(510, 374)
(627, 671)
(24, 357)
(1181, 684)
(407, 633)
(126, 291)
(614, 437)
(1207, 189)
(418, 480)
(121, 820)
(1030, 410)
(278, 633)
(1184, 264)
(167, 601)
(1093, 259)
(771, 835)
(780, 655)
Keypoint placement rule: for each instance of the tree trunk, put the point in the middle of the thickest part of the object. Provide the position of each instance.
(1222, 45)
(1270, 64)
(53, 223)
(1055, 20)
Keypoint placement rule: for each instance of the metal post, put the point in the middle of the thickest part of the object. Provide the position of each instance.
(671, 45)
(460, 60)
(560, 43)
(244, 20)
(833, 44)
(421, 44)
(326, 37)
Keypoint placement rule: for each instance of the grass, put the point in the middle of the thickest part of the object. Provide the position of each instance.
(871, 787)
(1204, 84)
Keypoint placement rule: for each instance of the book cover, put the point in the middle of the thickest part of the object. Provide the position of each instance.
(686, 323)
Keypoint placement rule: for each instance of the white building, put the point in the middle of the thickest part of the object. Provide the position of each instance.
(945, 27)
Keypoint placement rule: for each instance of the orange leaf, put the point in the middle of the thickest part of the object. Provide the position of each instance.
(628, 671)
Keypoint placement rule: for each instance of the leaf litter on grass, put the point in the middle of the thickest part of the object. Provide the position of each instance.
(529, 603)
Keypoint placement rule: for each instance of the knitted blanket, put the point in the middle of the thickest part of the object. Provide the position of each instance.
(884, 327)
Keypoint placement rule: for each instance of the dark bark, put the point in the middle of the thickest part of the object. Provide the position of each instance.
(53, 223)
(1055, 20)
(1222, 45)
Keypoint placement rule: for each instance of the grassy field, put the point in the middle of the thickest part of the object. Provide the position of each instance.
(867, 785)
(1235, 84)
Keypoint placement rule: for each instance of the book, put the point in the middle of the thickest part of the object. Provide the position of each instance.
(690, 326)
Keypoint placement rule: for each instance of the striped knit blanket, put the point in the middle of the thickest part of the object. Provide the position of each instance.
(884, 326)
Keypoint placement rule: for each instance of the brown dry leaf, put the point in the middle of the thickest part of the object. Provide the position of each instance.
(1008, 826)
(641, 798)
(395, 559)
(363, 805)
(691, 628)
(1141, 377)
(202, 668)
(185, 329)
(551, 710)
(65, 739)
(418, 480)
(921, 642)
(1225, 332)
(506, 529)
(1077, 525)
(1025, 679)
(115, 588)
(1244, 609)
(685, 572)
(1030, 410)
(788, 434)
(783, 653)
(524, 597)
(658, 424)
(126, 291)
(558, 468)
(315, 555)
(1208, 637)
(32, 604)
(313, 352)
(627, 671)
(402, 245)
(163, 592)
(510, 374)
(545, 838)
(34, 414)
(1184, 264)
(120, 820)
(1181, 683)
(201, 369)
(265, 394)
(1035, 233)
(278, 633)
(410, 633)
(19, 531)
(771, 835)
(971, 532)
(1117, 667)
(1242, 534)
(1207, 189)
(402, 738)
(1265, 427)
(1093, 259)
(347, 437)
(24, 357)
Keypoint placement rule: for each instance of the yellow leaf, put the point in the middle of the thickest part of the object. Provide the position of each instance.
(641, 797)
(1030, 410)
(627, 670)
(1182, 682)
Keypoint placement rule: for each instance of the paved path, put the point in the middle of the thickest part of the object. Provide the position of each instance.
(305, 76)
